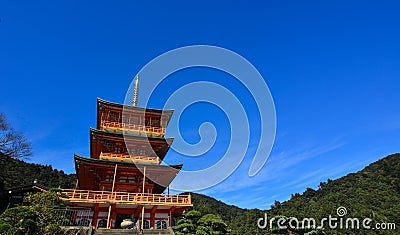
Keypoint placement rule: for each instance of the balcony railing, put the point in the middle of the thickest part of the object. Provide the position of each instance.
(150, 130)
(127, 157)
(72, 195)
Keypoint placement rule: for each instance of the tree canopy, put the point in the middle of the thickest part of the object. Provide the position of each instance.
(39, 217)
(194, 223)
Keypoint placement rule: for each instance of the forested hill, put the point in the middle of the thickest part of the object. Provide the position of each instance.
(14, 172)
(373, 192)
(240, 221)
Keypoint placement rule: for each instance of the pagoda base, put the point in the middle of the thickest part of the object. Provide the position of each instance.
(134, 231)
(110, 216)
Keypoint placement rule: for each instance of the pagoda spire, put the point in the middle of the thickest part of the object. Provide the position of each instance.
(135, 91)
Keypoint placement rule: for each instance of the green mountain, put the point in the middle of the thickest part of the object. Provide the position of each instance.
(373, 192)
(14, 172)
(240, 221)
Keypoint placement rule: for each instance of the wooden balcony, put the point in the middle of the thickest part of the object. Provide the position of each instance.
(126, 157)
(149, 130)
(89, 196)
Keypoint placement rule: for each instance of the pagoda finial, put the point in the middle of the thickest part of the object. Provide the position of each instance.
(135, 91)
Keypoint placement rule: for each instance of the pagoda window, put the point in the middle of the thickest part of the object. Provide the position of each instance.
(132, 179)
(161, 224)
(133, 120)
(146, 224)
(102, 223)
(114, 117)
(126, 118)
(155, 122)
(123, 179)
(108, 178)
(110, 146)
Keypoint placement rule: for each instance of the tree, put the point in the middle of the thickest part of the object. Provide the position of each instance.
(193, 215)
(19, 220)
(187, 225)
(212, 223)
(201, 230)
(39, 217)
(194, 223)
(43, 205)
(13, 143)
(276, 204)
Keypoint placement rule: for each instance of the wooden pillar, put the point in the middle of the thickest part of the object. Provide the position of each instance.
(144, 178)
(152, 216)
(112, 215)
(137, 211)
(141, 226)
(95, 215)
(111, 210)
(108, 216)
(115, 174)
(144, 181)
(137, 215)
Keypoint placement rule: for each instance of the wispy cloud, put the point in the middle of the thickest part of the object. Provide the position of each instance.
(279, 177)
(276, 170)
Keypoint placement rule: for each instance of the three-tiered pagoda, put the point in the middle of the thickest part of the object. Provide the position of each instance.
(124, 177)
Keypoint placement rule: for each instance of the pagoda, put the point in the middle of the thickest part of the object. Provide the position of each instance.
(124, 178)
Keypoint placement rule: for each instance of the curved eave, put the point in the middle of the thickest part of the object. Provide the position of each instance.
(123, 106)
(99, 162)
(27, 187)
(168, 172)
(132, 137)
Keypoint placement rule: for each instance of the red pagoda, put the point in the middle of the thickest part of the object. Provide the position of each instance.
(124, 178)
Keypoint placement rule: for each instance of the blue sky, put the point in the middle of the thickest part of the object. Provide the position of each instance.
(333, 69)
